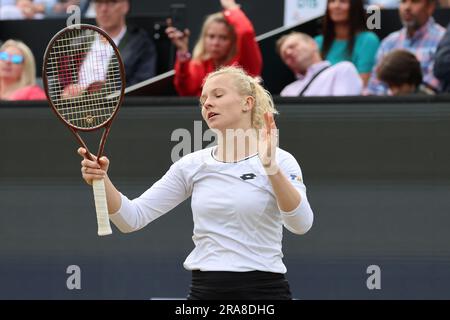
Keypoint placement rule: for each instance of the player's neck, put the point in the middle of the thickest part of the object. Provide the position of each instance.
(236, 145)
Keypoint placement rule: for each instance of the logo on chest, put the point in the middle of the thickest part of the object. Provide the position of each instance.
(248, 176)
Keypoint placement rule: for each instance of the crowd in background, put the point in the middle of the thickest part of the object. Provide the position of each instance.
(344, 59)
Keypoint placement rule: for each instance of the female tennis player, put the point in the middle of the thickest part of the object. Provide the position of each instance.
(242, 195)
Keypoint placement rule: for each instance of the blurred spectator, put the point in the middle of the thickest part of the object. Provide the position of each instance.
(315, 76)
(58, 8)
(18, 73)
(420, 35)
(442, 61)
(401, 71)
(384, 4)
(22, 9)
(135, 45)
(345, 36)
(227, 38)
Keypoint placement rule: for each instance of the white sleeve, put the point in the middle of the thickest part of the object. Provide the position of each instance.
(163, 196)
(300, 219)
(348, 81)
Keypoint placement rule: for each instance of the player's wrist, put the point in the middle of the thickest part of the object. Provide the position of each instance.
(271, 168)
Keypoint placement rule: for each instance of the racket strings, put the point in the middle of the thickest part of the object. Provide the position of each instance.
(83, 74)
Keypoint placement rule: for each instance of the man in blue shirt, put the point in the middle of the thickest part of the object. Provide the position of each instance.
(420, 35)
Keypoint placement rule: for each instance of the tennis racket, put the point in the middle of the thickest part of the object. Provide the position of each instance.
(84, 81)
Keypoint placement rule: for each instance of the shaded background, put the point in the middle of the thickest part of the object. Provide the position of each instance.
(376, 170)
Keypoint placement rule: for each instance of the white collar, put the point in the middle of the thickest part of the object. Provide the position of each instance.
(119, 37)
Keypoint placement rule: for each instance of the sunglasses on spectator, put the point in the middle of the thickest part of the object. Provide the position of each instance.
(14, 58)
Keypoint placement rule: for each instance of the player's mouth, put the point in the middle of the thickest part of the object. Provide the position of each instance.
(212, 115)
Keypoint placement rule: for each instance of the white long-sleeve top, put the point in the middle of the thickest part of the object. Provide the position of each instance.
(238, 225)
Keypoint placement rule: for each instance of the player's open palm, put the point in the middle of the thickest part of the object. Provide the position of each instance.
(267, 144)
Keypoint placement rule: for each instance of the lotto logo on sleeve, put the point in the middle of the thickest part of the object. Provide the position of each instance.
(295, 178)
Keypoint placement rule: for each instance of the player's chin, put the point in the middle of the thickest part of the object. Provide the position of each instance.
(211, 124)
(214, 126)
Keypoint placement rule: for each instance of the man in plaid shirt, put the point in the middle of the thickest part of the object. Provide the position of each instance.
(420, 35)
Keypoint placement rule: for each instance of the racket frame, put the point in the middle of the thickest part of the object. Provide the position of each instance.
(107, 124)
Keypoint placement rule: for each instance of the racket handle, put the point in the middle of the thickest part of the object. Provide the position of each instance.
(101, 207)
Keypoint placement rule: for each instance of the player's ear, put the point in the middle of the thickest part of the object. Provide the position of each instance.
(249, 103)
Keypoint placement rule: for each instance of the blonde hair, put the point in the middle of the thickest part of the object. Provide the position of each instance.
(249, 86)
(199, 52)
(28, 76)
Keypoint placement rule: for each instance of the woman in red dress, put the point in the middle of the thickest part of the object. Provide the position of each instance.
(18, 73)
(227, 38)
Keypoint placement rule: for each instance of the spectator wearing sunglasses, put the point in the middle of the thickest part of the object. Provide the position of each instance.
(18, 73)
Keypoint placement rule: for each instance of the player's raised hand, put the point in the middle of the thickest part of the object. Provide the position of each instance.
(267, 144)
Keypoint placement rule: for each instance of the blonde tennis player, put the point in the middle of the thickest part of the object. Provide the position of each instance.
(244, 190)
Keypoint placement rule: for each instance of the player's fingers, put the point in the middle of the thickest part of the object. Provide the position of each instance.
(104, 160)
(90, 164)
(272, 123)
(89, 177)
(83, 152)
(267, 121)
(104, 163)
(91, 171)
